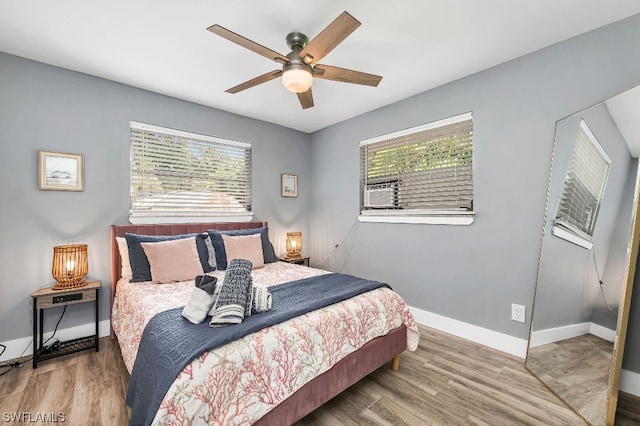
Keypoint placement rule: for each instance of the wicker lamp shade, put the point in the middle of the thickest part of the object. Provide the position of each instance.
(70, 266)
(294, 244)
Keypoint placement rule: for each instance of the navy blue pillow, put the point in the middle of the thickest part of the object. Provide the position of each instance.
(268, 253)
(140, 268)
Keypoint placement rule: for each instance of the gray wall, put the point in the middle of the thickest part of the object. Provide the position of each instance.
(472, 273)
(616, 266)
(44, 107)
(567, 290)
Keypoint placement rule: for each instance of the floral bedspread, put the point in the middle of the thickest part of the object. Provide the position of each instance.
(243, 380)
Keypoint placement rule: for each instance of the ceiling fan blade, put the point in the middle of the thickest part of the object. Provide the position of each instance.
(329, 38)
(344, 75)
(255, 81)
(306, 99)
(246, 43)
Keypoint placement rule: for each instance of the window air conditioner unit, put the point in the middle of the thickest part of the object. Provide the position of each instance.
(379, 198)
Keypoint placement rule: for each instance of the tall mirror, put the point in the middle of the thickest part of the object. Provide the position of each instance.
(587, 259)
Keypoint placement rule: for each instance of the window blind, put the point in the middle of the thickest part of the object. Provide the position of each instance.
(584, 184)
(423, 170)
(176, 173)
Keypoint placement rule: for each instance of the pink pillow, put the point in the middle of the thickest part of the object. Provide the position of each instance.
(244, 247)
(174, 260)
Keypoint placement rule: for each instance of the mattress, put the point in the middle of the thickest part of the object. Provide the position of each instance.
(241, 381)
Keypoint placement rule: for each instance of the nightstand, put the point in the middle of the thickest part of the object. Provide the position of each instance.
(304, 260)
(46, 298)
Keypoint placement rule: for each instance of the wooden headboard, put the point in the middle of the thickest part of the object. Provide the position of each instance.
(162, 229)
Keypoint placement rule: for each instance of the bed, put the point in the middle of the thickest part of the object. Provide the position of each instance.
(275, 376)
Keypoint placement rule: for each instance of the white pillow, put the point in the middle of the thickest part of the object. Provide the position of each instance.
(212, 252)
(123, 248)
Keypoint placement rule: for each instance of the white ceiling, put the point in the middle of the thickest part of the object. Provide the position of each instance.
(163, 45)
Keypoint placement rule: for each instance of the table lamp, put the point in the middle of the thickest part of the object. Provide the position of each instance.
(70, 266)
(294, 244)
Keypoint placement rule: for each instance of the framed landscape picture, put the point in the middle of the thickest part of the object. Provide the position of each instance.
(58, 171)
(289, 185)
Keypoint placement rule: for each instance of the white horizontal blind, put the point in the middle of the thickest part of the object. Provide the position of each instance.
(175, 173)
(584, 184)
(426, 169)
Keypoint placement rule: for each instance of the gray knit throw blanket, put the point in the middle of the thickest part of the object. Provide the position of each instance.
(235, 295)
(261, 300)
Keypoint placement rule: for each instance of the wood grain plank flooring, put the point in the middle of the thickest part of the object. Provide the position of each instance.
(447, 381)
(578, 370)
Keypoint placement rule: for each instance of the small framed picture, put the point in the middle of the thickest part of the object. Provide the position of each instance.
(58, 171)
(289, 185)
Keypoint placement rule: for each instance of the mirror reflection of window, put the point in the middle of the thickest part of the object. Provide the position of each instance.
(584, 185)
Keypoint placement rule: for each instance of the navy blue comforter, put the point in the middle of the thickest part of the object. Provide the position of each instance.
(169, 342)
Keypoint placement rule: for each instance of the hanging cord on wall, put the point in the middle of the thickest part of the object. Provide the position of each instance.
(337, 245)
(600, 282)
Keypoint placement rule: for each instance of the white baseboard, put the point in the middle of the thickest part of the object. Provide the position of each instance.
(630, 382)
(493, 339)
(557, 334)
(16, 346)
(602, 332)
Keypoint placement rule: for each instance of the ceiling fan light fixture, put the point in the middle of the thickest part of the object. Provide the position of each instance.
(300, 66)
(297, 79)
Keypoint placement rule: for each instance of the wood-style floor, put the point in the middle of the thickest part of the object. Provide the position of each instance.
(447, 381)
(88, 387)
(577, 369)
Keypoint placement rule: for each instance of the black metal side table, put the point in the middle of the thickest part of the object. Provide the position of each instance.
(46, 298)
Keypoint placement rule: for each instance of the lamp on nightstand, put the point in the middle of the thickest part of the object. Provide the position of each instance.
(70, 266)
(294, 244)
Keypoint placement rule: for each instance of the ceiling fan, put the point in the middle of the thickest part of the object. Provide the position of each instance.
(300, 66)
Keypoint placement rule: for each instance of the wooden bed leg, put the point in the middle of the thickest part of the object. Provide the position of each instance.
(395, 363)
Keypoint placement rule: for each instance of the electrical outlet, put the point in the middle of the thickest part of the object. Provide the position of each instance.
(517, 312)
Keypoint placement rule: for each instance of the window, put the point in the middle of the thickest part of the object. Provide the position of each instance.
(425, 171)
(583, 189)
(179, 176)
